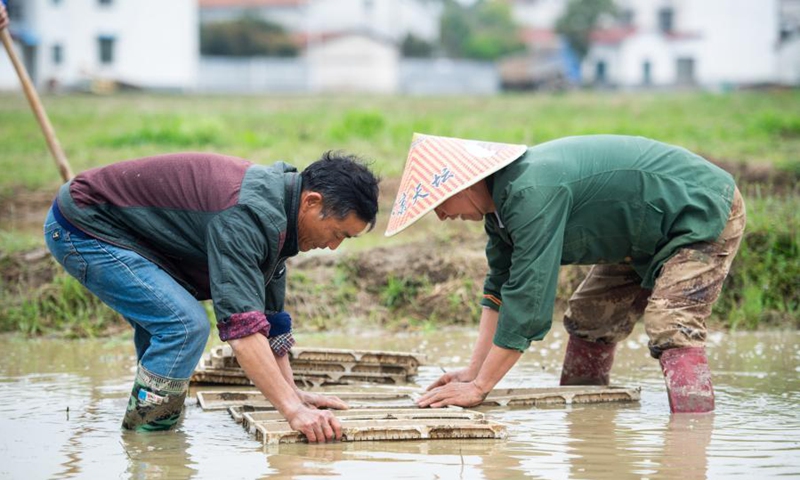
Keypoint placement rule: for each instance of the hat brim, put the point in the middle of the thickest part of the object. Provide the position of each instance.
(472, 161)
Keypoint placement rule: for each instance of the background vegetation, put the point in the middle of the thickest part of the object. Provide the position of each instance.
(755, 135)
(246, 37)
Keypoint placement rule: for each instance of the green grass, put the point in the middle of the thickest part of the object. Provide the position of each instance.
(762, 287)
(756, 129)
(63, 307)
(746, 127)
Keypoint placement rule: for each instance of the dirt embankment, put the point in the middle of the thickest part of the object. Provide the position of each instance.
(439, 280)
(25, 210)
(773, 180)
(399, 286)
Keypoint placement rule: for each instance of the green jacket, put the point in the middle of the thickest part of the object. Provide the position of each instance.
(221, 226)
(592, 200)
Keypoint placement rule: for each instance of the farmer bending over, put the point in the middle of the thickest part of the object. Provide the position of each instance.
(150, 237)
(660, 224)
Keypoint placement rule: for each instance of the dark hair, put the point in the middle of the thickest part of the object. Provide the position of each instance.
(346, 184)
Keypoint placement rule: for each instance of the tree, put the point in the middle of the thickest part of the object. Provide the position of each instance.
(481, 31)
(580, 19)
(416, 47)
(246, 37)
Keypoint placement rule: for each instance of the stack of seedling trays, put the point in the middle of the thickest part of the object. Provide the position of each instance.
(393, 415)
(373, 416)
(314, 367)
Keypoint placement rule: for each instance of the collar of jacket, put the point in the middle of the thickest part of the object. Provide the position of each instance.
(293, 186)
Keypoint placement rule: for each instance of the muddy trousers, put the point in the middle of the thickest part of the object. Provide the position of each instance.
(609, 302)
(170, 326)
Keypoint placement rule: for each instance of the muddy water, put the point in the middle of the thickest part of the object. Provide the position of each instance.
(62, 404)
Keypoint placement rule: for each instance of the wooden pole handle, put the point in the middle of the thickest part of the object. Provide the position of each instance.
(38, 109)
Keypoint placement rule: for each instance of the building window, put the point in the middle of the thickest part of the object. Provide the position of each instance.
(57, 54)
(685, 74)
(647, 73)
(106, 49)
(666, 17)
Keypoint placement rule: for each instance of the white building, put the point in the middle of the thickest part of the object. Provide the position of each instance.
(708, 43)
(68, 43)
(666, 43)
(393, 19)
(789, 50)
(353, 62)
(538, 14)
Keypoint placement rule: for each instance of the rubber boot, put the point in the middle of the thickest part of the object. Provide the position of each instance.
(587, 363)
(156, 403)
(688, 380)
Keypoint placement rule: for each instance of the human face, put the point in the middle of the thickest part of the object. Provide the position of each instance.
(470, 204)
(317, 231)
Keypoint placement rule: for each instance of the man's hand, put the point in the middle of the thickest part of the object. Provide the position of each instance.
(260, 365)
(3, 16)
(316, 425)
(322, 401)
(462, 394)
(462, 375)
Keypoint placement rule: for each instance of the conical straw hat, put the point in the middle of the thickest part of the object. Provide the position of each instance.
(438, 168)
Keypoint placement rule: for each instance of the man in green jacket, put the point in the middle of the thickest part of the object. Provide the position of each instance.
(659, 224)
(152, 236)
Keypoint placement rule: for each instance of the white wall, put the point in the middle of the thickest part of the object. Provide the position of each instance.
(538, 13)
(789, 62)
(8, 78)
(156, 42)
(739, 40)
(353, 63)
(389, 18)
(252, 75)
(646, 12)
(730, 41)
(649, 47)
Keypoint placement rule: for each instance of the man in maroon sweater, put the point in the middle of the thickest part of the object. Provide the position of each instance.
(150, 237)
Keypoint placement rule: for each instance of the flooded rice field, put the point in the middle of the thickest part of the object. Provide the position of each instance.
(62, 404)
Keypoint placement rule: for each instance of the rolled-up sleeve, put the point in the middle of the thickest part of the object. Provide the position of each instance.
(280, 335)
(535, 219)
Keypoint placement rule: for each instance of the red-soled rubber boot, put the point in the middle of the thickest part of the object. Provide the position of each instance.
(688, 380)
(587, 363)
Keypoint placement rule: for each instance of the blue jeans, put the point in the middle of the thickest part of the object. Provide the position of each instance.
(170, 326)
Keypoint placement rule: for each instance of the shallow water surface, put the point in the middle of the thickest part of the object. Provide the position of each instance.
(63, 403)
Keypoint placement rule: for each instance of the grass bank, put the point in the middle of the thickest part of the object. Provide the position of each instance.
(756, 136)
(751, 128)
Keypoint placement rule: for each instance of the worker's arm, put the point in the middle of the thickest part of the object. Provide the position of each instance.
(486, 331)
(255, 357)
(468, 394)
(498, 255)
(312, 399)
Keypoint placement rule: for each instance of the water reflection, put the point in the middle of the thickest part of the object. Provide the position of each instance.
(158, 455)
(755, 432)
(429, 459)
(686, 446)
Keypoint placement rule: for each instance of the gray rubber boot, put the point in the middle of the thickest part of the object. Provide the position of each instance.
(156, 402)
